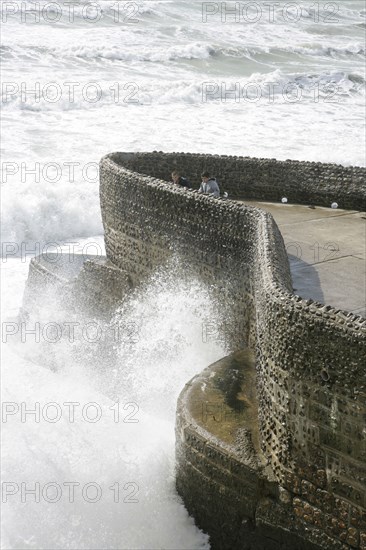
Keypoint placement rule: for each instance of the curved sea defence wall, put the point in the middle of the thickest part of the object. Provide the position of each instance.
(271, 440)
(309, 358)
(260, 178)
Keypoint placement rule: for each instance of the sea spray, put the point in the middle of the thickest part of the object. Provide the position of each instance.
(129, 449)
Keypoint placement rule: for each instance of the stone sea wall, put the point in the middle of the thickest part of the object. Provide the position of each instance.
(309, 357)
(275, 458)
(261, 179)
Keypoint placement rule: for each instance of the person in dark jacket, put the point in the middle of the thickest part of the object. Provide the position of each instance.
(180, 180)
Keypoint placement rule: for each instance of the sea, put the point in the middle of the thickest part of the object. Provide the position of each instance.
(92, 467)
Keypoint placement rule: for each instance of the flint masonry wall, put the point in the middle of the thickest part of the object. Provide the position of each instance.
(310, 358)
(262, 179)
(147, 221)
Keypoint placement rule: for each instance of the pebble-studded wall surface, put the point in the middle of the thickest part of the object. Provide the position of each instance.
(261, 179)
(310, 358)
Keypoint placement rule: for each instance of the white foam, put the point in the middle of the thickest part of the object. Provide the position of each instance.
(149, 372)
(50, 211)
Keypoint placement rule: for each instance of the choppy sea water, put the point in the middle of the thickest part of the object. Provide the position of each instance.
(172, 76)
(81, 81)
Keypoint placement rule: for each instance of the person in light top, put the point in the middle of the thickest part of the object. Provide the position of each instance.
(209, 185)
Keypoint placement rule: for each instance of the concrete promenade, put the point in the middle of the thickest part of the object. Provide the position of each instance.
(327, 252)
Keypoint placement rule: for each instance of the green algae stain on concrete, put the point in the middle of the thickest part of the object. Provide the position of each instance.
(224, 403)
